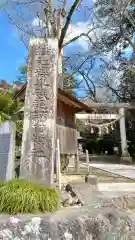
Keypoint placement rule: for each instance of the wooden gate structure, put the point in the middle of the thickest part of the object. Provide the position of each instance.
(125, 156)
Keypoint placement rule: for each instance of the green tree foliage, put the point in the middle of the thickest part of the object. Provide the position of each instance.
(117, 20)
(23, 73)
(5, 86)
(22, 78)
(80, 126)
(9, 111)
(127, 94)
(69, 82)
(8, 107)
(127, 85)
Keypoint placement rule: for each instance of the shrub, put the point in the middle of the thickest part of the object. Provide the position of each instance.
(21, 196)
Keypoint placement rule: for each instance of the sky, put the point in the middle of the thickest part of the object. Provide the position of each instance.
(13, 51)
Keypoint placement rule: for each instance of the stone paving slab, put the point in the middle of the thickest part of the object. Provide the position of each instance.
(117, 189)
(120, 187)
(118, 169)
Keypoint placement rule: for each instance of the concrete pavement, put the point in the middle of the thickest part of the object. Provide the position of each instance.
(116, 189)
(118, 169)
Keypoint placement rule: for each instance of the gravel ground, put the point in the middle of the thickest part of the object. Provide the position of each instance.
(126, 202)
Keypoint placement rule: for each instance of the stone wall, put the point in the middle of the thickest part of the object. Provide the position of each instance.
(86, 223)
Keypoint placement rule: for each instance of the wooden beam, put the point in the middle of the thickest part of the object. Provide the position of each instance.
(111, 105)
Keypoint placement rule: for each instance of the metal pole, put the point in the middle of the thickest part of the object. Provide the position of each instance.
(87, 161)
(77, 161)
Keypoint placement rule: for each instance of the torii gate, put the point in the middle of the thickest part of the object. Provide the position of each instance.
(125, 157)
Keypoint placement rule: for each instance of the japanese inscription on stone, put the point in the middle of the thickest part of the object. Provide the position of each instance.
(38, 147)
(7, 150)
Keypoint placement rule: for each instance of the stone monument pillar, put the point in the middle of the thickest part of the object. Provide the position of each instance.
(7, 150)
(38, 147)
(125, 157)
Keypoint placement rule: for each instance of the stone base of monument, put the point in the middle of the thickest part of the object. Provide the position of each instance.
(126, 159)
(71, 162)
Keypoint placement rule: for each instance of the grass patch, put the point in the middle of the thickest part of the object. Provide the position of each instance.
(21, 196)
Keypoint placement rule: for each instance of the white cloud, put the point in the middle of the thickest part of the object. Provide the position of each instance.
(74, 30)
(35, 22)
(38, 22)
(77, 29)
(103, 94)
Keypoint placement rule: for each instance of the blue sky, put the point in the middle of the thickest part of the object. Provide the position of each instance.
(12, 50)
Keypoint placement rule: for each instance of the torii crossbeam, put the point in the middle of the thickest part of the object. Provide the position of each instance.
(110, 105)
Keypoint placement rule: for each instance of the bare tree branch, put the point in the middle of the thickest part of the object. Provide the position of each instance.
(68, 20)
(79, 36)
(88, 81)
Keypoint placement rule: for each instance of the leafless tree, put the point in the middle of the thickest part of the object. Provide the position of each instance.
(106, 31)
(116, 22)
(53, 18)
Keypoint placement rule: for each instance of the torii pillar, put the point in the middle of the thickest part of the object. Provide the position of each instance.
(125, 156)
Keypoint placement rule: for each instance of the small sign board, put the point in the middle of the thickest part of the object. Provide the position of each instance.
(97, 116)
